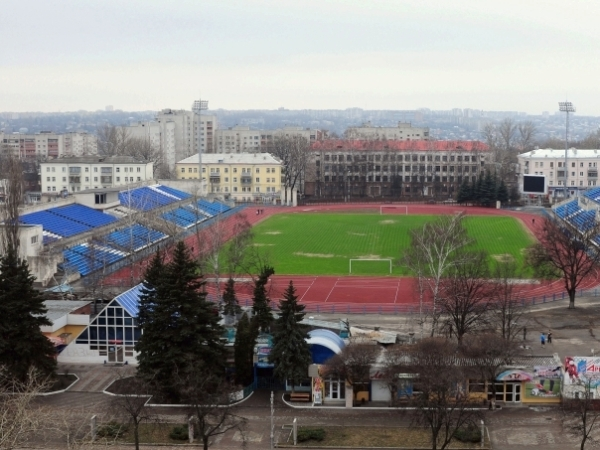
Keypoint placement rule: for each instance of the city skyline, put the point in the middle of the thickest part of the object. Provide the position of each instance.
(262, 54)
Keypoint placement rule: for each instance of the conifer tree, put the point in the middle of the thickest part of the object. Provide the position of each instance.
(502, 192)
(180, 329)
(22, 313)
(243, 350)
(291, 353)
(231, 306)
(260, 301)
(464, 192)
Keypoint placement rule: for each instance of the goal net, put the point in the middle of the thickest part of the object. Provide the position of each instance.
(393, 209)
(370, 265)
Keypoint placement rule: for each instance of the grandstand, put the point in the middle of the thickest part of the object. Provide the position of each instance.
(91, 240)
(572, 212)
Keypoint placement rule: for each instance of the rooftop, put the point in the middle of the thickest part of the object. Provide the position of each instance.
(560, 153)
(232, 158)
(383, 145)
(95, 160)
(60, 308)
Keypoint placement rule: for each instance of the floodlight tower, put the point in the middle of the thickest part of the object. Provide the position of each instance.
(566, 107)
(197, 107)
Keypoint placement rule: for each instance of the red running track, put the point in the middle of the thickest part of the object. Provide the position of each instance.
(353, 293)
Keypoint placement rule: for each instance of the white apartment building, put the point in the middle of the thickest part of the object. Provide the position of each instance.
(242, 177)
(47, 145)
(403, 132)
(175, 133)
(581, 168)
(91, 172)
(241, 139)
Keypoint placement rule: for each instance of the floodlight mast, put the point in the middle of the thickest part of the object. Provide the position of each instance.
(197, 107)
(566, 107)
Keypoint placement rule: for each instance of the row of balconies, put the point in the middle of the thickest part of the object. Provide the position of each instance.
(216, 178)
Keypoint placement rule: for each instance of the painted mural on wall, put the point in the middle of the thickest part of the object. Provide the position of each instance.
(545, 382)
(582, 370)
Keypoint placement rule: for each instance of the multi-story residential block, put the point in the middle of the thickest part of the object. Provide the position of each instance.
(403, 132)
(399, 169)
(580, 171)
(47, 145)
(241, 139)
(240, 176)
(91, 172)
(175, 133)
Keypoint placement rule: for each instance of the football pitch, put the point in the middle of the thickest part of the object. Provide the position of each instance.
(323, 244)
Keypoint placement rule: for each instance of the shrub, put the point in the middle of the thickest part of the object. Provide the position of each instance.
(112, 430)
(307, 434)
(470, 433)
(179, 433)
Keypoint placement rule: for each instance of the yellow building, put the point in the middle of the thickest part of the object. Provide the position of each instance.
(240, 176)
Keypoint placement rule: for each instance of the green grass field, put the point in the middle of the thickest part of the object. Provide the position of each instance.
(322, 244)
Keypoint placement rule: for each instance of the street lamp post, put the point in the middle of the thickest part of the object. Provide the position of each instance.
(566, 107)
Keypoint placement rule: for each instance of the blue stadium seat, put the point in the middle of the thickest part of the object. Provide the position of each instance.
(83, 214)
(55, 223)
(175, 192)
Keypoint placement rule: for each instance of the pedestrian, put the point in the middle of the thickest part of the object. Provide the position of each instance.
(533, 221)
(543, 339)
(257, 211)
(549, 337)
(524, 333)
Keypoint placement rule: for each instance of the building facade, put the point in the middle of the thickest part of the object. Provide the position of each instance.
(346, 169)
(91, 172)
(242, 177)
(176, 133)
(403, 132)
(579, 170)
(241, 139)
(48, 145)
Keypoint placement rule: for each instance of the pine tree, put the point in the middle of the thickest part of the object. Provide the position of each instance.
(260, 301)
(487, 192)
(478, 189)
(22, 313)
(502, 192)
(243, 350)
(180, 329)
(231, 305)
(464, 192)
(290, 353)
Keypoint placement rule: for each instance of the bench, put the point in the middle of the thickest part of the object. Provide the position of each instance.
(300, 396)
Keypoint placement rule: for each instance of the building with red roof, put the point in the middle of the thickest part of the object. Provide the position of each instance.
(393, 169)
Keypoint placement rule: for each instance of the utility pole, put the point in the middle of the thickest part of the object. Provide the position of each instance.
(566, 107)
(272, 421)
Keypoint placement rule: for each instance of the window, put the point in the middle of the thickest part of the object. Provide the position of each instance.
(87, 169)
(53, 188)
(100, 199)
(86, 179)
(49, 189)
(96, 178)
(580, 174)
(257, 170)
(258, 180)
(235, 170)
(34, 239)
(53, 178)
(182, 170)
(139, 169)
(580, 164)
(189, 170)
(96, 169)
(118, 169)
(257, 189)
(47, 178)
(139, 178)
(48, 169)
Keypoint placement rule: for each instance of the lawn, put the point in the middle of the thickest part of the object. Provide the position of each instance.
(323, 244)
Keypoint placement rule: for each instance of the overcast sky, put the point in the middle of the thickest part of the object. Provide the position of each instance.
(521, 55)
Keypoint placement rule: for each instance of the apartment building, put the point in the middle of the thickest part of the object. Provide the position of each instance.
(91, 172)
(47, 145)
(580, 171)
(240, 176)
(241, 139)
(175, 133)
(398, 169)
(403, 132)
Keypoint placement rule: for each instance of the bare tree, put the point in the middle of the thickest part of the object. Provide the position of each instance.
(210, 399)
(507, 314)
(442, 404)
(581, 415)
(237, 250)
(353, 364)
(11, 183)
(465, 294)
(526, 135)
(20, 418)
(113, 140)
(570, 252)
(145, 151)
(132, 404)
(294, 153)
(433, 252)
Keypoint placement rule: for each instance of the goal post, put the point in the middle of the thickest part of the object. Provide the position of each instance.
(389, 260)
(399, 208)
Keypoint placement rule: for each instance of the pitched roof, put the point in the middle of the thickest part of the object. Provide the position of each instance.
(232, 158)
(130, 300)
